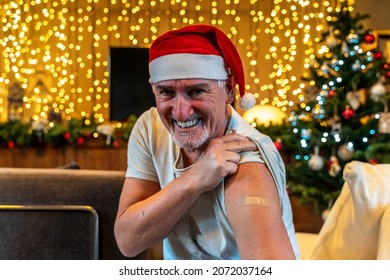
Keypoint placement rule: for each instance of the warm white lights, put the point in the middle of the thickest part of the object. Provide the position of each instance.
(68, 41)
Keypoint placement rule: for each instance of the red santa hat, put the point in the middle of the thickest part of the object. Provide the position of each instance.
(197, 52)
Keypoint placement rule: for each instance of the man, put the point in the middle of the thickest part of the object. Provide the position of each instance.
(199, 177)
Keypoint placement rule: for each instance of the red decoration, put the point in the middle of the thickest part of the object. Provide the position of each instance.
(348, 113)
(387, 75)
(11, 144)
(278, 144)
(332, 93)
(373, 161)
(115, 143)
(378, 55)
(369, 38)
(66, 135)
(80, 140)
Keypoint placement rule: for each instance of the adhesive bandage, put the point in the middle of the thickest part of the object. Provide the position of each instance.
(253, 200)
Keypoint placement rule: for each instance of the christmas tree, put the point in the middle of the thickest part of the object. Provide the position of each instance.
(344, 115)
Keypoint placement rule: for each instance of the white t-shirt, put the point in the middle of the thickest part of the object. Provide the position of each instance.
(204, 231)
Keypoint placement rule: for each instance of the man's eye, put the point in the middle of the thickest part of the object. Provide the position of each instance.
(196, 92)
(166, 93)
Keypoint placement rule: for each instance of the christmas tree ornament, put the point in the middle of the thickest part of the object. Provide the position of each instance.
(346, 152)
(384, 123)
(278, 144)
(333, 166)
(335, 124)
(11, 144)
(344, 48)
(377, 90)
(354, 98)
(356, 66)
(331, 40)
(369, 38)
(80, 140)
(316, 162)
(348, 113)
(332, 93)
(387, 75)
(325, 68)
(67, 136)
(378, 55)
(115, 143)
(364, 120)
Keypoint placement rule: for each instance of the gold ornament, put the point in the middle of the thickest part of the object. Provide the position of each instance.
(364, 120)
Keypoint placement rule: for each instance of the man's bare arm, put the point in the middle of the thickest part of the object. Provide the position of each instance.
(253, 209)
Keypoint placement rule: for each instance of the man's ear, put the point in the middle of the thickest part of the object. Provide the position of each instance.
(230, 89)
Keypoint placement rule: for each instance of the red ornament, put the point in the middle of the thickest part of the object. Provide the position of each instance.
(115, 143)
(378, 55)
(278, 144)
(80, 140)
(387, 75)
(66, 135)
(332, 93)
(348, 113)
(11, 144)
(369, 38)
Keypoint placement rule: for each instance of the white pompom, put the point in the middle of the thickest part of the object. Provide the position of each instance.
(247, 101)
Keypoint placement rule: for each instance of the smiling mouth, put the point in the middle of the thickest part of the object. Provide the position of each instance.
(189, 123)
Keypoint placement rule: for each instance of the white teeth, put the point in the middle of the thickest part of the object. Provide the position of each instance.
(187, 123)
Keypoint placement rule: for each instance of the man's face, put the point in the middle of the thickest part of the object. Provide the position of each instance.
(193, 110)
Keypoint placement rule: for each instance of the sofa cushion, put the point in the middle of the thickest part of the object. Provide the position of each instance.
(351, 231)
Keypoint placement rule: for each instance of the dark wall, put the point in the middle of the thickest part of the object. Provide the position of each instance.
(130, 91)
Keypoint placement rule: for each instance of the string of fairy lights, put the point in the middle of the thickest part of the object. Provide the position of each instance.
(56, 51)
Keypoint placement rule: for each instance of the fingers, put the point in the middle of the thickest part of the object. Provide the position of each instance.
(237, 143)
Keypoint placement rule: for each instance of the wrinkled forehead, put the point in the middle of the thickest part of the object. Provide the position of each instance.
(187, 83)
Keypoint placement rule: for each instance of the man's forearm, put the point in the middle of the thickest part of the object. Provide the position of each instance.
(149, 221)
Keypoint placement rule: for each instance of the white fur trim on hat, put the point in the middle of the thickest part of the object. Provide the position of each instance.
(247, 101)
(187, 66)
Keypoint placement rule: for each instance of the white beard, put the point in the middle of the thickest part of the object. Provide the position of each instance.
(189, 140)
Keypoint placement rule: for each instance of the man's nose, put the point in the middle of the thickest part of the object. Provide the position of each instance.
(182, 108)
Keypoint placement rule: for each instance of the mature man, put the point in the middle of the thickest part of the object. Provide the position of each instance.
(199, 177)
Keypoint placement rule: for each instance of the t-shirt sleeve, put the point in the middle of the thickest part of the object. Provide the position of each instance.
(139, 159)
(251, 156)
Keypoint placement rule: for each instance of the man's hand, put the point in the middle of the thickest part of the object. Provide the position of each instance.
(220, 159)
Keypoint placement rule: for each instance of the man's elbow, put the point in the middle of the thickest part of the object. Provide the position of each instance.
(124, 243)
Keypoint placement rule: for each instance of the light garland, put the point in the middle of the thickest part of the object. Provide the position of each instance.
(65, 43)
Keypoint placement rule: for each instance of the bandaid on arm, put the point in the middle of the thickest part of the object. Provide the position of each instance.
(253, 200)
